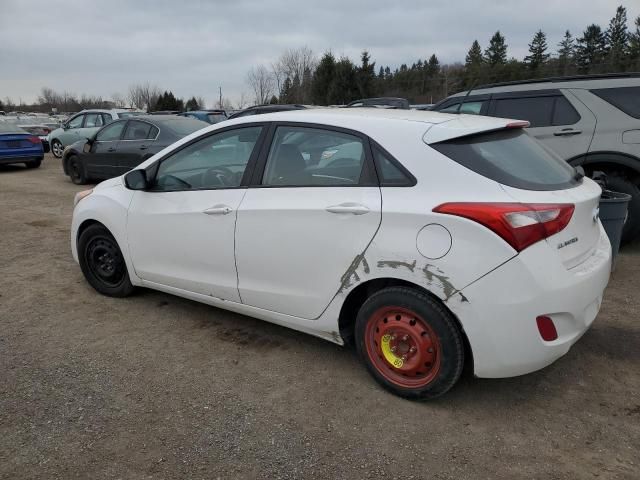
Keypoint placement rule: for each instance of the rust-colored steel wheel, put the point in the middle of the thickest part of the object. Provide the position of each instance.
(402, 346)
(409, 342)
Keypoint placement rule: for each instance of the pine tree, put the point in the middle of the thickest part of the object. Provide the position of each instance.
(537, 51)
(617, 39)
(496, 53)
(634, 45)
(474, 57)
(322, 79)
(366, 76)
(433, 66)
(566, 53)
(591, 49)
(343, 87)
(192, 104)
(285, 91)
(274, 100)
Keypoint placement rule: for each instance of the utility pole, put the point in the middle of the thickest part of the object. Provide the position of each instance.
(220, 101)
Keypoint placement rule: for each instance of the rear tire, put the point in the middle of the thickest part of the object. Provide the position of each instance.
(57, 148)
(76, 170)
(631, 228)
(102, 262)
(34, 164)
(410, 343)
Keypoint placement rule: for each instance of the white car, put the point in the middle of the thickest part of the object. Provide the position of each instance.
(441, 239)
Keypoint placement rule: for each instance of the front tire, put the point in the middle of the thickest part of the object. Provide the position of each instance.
(409, 343)
(631, 228)
(102, 262)
(76, 170)
(57, 148)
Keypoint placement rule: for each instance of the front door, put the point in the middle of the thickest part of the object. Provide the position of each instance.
(102, 161)
(181, 231)
(312, 212)
(136, 143)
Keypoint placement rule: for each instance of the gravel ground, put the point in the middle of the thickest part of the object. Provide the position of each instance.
(155, 386)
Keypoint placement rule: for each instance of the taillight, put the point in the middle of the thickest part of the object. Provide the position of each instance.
(519, 224)
(34, 139)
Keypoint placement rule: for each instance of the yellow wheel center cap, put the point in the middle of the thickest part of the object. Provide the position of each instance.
(388, 354)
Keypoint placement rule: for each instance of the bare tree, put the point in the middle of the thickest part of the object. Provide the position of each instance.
(243, 102)
(201, 102)
(118, 100)
(143, 96)
(296, 63)
(261, 82)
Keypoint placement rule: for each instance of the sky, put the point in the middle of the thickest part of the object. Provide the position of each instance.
(192, 47)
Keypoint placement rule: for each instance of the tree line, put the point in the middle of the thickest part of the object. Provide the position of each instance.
(297, 77)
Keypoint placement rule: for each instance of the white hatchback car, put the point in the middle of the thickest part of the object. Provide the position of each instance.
(430, 239)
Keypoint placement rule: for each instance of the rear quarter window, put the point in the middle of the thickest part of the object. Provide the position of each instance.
(510, 157)
(626, 99)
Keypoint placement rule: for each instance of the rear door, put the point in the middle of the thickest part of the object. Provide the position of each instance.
(558, 119)
(136, 143)
(304, 221)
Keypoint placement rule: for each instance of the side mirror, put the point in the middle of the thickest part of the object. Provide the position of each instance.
(136, 180)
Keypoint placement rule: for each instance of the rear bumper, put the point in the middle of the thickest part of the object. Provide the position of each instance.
(20, 158)
(500, 315)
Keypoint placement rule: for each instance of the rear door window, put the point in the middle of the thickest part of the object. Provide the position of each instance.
(564, 113)
(510, 157)
(536, 110)
(626, 99)
(137, 130)
(303, 156)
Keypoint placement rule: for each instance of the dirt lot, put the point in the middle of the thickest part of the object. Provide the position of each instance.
(155, 386)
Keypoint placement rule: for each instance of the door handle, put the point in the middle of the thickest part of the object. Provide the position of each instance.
(348, 207)
(567, 131)
(217, 210)
(111, 149)
(143, 147)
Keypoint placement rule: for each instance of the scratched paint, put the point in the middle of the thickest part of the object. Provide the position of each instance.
(397, 264)
(447, 287)
(350, 276)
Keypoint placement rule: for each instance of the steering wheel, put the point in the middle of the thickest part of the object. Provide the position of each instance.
(175, 179)
(218, 176)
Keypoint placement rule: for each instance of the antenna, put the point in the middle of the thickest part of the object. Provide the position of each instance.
(466, 96)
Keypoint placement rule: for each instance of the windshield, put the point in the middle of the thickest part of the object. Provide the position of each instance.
(510, 157)
(216, 117)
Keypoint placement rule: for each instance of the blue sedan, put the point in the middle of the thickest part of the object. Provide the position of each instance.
(19, 146)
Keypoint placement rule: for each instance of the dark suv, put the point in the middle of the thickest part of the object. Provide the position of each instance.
(590, 121)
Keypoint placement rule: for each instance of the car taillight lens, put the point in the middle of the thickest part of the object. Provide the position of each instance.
(519, 224)
(34, 139)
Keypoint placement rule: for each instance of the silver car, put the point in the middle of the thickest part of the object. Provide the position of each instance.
(83, 126)
(590, 121)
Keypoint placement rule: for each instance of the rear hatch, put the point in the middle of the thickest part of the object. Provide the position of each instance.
(534, 176)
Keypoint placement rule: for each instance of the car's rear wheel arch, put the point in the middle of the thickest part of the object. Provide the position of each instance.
(356, 298)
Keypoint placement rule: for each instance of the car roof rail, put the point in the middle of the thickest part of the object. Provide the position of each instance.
(395, 102)
(569, 78)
